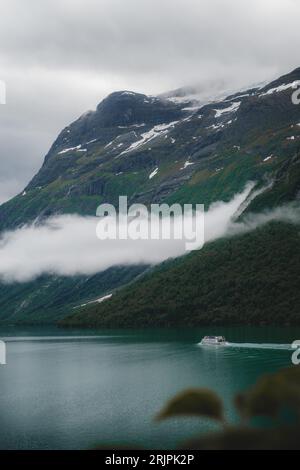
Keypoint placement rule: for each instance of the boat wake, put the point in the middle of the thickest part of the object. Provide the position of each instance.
(286, 347)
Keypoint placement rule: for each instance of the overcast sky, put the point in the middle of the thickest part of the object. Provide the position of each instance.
(59, 58)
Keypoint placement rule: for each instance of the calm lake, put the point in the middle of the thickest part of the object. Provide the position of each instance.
(75, 389)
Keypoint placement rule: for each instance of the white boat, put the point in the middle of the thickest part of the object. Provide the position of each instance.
(213, 341)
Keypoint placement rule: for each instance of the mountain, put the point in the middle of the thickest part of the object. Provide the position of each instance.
(114, 149)
(155, 149)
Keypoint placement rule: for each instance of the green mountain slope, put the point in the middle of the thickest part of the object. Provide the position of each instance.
(249, 279)
(49, 298)
(202, 152)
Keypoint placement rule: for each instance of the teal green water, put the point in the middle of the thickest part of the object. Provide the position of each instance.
(75, 389)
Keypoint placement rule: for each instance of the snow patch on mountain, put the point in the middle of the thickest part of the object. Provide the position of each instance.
(156, 131)
(186, 164)
(153, 173)
(281, 88)
(72, 149)
(231, 109)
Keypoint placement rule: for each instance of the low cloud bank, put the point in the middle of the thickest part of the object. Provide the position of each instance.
(286, 213)
(67, 245)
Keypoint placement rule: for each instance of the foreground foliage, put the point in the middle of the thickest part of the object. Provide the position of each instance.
(275, 396)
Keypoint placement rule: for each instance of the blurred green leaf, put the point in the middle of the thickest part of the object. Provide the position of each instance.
(271, 394)
(194, 402)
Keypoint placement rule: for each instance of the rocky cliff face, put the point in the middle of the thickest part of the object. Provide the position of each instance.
(159, 149)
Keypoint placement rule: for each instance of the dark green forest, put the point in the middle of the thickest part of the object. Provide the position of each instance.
(250, 279)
